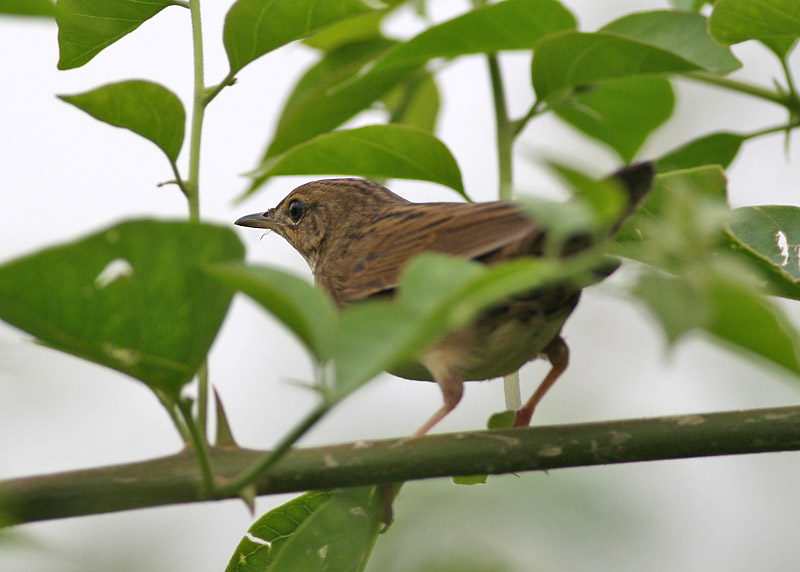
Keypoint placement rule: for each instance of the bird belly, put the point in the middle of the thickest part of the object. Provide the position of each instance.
(497, 343)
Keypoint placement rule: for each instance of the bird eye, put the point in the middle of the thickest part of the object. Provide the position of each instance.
(297, 209)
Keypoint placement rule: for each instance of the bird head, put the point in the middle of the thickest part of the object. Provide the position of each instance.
(319, 214)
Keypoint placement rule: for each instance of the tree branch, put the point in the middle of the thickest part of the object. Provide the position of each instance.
(176, 479)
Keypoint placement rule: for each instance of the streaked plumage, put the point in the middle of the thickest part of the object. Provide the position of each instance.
(357, 236)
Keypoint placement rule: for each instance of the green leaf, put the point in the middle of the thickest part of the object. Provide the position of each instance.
(770, 236)
(714, 149)
(693, 5)
(567, 60)
(415, 103)
(436, 294)
(780, 45)
(362, 28)
(513, 24)
(372, 337)
(502, 419)
(376, 336)
(434, 279)
(146, 108)
(672, 188)
(734, 21)
(675, 302)
(771, 232)
(621, 113)
(727, 308)
(270, 533)
(745, 319)
(682, 33)
(374, 151)
(339, 535)
(605, 202)
(27, 7)
(680, 222)
(509, 25)
(307, 311)
(87, 27)
(132, 297)
(256, 27)
(313, 106)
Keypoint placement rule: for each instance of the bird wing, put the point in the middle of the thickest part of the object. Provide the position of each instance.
(467, 230)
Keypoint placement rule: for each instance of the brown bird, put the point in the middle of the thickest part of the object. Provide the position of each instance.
(357, 236)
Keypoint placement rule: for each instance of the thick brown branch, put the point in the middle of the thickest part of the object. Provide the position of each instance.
(175, 479)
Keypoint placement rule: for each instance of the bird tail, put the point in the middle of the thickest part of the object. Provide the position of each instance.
(636, 180)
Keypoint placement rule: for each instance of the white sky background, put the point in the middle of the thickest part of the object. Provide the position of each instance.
(65, 175)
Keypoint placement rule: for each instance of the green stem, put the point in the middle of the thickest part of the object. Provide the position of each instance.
(178, 179)
(174, 479)
(201, 449)
(170, 406)
(505, 142)
(539, 108)
(213, 92)
(519, 124)
(787, 73)
(505, 130)
(193, 184)
(198, 111)
(202, 400)
(789, 101)
(258, 469)
(769, 131)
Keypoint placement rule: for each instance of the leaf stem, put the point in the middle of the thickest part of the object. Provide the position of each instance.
(519, 124)
(178, 179)
(201, 449)
(787, 100)
(213, 92)
(504, 128)
(787, 73)
(793, 124)
(203, 391)
(177, 420)
(258, 469)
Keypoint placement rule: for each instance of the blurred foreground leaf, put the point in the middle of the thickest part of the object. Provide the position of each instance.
(733, 312)
(436, 294)
(305, 310)
(680, 222)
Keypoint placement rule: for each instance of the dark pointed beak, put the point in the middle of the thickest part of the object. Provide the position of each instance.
(259, 220)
